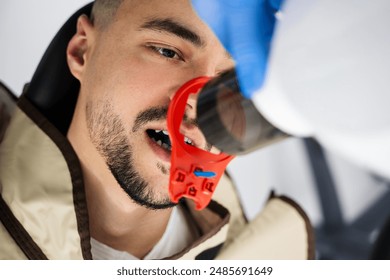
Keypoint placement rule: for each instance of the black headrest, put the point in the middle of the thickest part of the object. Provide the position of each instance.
(53, 89)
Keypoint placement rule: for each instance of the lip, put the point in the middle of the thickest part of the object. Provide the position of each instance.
(192, 132)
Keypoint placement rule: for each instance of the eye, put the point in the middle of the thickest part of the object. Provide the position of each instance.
(168, 53)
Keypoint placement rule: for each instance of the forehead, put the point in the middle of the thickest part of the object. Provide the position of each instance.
(137, 14)
(139, 9)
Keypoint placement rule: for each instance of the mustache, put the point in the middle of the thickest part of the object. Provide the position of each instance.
(151, 114)
(157, 114)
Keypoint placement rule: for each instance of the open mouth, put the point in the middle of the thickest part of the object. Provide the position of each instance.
(161, 138)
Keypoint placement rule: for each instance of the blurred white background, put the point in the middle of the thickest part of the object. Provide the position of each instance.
(26, 29)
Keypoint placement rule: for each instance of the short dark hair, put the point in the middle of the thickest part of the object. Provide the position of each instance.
(103, 12)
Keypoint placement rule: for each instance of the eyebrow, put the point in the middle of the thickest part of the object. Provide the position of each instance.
(170, 26)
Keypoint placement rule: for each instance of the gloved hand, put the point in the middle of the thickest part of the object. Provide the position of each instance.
(245, 28)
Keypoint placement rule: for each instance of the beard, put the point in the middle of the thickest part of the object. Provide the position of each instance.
(108, 135)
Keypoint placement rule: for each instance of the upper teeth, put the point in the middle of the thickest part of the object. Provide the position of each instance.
(163, 131)
(186, 139)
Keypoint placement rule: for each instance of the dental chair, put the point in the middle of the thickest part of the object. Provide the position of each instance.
(53, 76)
(367, 236)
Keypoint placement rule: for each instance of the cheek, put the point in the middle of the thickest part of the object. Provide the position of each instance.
(138, 87)
(134, 82)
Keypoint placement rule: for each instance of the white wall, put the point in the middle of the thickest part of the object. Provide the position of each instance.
(26, 29)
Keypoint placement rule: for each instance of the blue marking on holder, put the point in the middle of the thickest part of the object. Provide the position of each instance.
(206, 174)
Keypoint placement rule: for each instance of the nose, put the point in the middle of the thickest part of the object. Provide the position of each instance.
(200, 70)
(187, 77)
(190, 110)
(204, 70)
(191, 102)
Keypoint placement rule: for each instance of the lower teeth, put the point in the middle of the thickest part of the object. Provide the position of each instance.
(163, 145)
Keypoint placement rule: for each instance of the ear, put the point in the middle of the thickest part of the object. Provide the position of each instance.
(79, 46)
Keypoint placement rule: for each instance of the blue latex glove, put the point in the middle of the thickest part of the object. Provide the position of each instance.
(245, 28)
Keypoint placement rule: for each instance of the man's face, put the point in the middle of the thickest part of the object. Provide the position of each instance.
(133, 69)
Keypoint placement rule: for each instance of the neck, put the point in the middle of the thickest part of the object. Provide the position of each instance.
(135, 230)
(118, 222)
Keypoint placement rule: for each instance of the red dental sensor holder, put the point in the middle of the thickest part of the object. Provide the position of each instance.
(194, 172)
